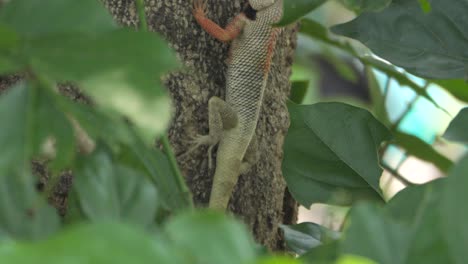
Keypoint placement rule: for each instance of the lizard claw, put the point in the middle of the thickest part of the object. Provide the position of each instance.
(200, 140)
(199, 7)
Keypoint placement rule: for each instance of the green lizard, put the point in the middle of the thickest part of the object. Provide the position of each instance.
(232, 122)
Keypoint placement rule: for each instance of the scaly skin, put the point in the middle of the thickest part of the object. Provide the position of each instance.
(232, 122)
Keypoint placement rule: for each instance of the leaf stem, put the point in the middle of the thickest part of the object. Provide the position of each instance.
(165, 139)
(397, 175)
(409, 107)
(176, 171)
(141, 15)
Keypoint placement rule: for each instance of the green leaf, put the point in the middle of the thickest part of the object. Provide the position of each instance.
(416, 147)
(210, 237)
(418, 206)
(360, 6)
(455, 212)
(108, 191)
(117, 68)
(103, 243)
(410, 224)
(324, 254)
(293, 10)
(304, 236)
(34, 119)
(457, 87)
(409, 204)
(32, 18)
(330, 154)
(430, 45)
(23, 213)
(298, 91)
(457, 130)
(372, 235)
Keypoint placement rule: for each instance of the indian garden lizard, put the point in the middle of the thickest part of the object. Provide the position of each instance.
(232, 122)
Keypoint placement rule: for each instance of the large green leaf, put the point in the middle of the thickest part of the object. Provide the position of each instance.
(103, 243)
(410, 224)
(360, 6)
(30, 119)
(330, 154)
(408, 204)
(324, 254)
(33, 119)
(418, 206)
(295, 9)
(430, 44)
(372, 235)
(210, 237)
(107, 190)
(302, 237)
(458, 128)
(116, 66)
(454, 211)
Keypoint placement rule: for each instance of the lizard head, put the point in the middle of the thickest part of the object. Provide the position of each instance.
(261, 4)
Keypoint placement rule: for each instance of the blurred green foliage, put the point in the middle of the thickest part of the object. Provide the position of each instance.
(128, 202)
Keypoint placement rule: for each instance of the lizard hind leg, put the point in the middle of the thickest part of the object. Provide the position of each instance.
(251, 157)
(221, 117)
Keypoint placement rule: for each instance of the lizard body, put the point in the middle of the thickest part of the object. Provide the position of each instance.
(232, 122)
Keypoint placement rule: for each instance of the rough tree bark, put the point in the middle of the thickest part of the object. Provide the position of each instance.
(261, 199)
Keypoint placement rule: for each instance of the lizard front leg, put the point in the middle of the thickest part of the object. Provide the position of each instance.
(221, 117)
(229, 33)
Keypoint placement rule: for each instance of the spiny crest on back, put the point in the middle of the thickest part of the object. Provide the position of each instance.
(261, 4)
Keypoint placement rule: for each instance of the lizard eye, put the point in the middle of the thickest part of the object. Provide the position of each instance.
(261, 4)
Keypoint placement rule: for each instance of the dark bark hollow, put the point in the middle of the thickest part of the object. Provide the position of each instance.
(260, 197)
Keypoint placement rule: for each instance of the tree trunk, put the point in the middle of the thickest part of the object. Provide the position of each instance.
(261, 198)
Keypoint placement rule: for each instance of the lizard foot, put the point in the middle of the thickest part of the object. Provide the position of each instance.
(200, 140)
(199, 8)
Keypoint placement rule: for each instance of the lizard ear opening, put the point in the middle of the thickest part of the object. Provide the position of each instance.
(250, 13)
(261, 4)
